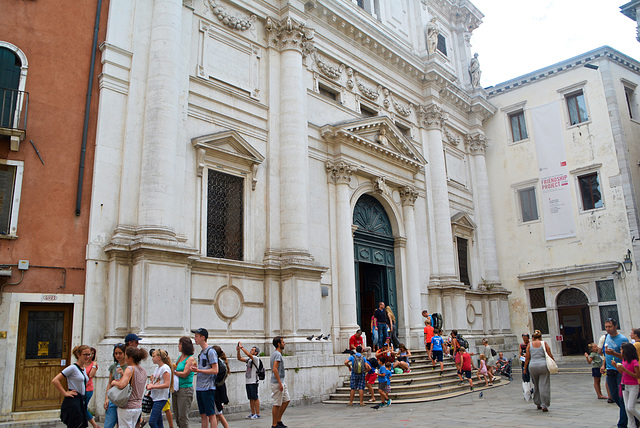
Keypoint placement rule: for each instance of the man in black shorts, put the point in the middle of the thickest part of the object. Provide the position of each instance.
(383, 324)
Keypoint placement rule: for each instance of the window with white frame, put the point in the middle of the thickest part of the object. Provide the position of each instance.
(538, 304)
(630, 98)
(607, 302)
(10, 188)
(590, 193)
(577, 108)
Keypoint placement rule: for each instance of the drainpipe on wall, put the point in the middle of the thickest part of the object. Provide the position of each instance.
(85, 129)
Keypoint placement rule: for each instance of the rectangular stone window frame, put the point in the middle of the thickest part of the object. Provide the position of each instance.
(579, 174)
(366, 108)
(631, 99)
(574, 96)
(535, 314)
(404, 127)
(372, 7)
(518, 188)
(605, 303)
(512, 110)
(11, 230)
(328, 90)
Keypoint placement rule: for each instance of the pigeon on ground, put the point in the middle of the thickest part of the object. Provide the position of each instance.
(319, 337)
(409, 382)
(481, 394)
(310, 337)
(376, 407)
(439, 386)
(327, 337)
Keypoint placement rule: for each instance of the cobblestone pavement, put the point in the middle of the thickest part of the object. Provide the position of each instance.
(573, 404)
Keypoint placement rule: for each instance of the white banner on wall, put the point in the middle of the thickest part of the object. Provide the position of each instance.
(557, 206)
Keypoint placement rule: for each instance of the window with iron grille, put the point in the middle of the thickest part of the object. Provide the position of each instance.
(225, 226)
(590, 191)
(536, 296)
(540, 322)
(606, 291)
(609, 311)
(577, 108)
(463, 250)
(518, 126)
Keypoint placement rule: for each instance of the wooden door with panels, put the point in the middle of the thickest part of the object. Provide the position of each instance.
(44, 342)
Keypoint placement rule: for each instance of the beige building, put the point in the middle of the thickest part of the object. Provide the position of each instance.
(563, 167)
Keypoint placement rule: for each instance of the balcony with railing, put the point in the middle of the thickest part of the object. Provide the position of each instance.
(13, 115)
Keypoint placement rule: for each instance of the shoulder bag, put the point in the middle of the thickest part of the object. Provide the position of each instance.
(120, 397)
(551, 364)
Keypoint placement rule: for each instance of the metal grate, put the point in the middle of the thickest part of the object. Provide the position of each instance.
(463, 259)
(609, 311)
(536, 295)
(572, 297)
(44, 335)
(540, 322)
(606, 291)
(225, 226)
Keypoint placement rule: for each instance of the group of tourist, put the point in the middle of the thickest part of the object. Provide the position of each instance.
(128, 382)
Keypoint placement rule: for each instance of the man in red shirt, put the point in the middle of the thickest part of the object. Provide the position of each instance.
(357, 340)
(428, 334)
(466, 365)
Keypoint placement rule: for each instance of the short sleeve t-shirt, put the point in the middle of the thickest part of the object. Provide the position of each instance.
(615, 343)
(206, 382)
(277, 356)
(466, 362)
(596, 360)
(428, 334)
(436, 343)
(381, 316)
(253, 363)
(76, 378)
(626, 378)
(113, 369)
(160, 394)
(354, 341)
(386, 375)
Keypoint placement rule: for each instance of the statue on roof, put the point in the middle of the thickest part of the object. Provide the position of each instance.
(474, 71)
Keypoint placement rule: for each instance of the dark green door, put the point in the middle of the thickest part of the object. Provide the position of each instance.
(374, 259)
(9, 81)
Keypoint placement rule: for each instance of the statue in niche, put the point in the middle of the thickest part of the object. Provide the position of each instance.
(432, 35)
(474, 71)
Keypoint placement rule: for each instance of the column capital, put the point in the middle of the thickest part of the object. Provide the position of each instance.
(340, 172)
(476, 143)
(408, 195)
(432, 116)
(290, 34)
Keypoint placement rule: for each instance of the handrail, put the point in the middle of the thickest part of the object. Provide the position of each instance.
(14, 105)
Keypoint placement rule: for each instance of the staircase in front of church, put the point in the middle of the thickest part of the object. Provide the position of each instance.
(426, 384)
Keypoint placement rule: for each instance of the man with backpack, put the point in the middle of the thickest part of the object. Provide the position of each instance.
(358, 367)
(255, 369)
(206, 370)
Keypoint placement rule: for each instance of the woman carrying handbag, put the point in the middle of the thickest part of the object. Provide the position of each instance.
(536, 364)
(129, 412)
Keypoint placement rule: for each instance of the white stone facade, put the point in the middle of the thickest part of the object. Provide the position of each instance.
(586, 265)
(311, 105)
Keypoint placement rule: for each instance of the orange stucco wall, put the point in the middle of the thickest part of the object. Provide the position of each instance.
(56, 37)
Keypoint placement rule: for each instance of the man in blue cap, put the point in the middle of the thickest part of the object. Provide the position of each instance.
(132, 339)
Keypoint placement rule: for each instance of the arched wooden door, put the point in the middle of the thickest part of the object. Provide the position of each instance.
(374, 260)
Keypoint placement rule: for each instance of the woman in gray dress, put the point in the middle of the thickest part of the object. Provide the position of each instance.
(536, 365)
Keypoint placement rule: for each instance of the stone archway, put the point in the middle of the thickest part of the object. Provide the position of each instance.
(574, 321)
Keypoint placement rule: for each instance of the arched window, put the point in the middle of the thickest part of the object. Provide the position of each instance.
(13, 98)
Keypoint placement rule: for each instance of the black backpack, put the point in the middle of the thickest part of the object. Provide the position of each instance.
(221, 377)
(493, 352)
(358, 364)
(261, 371)
(436, 321)
(462, 342)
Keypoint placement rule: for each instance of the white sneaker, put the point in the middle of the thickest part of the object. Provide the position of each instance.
(249, 416)
(256, 417)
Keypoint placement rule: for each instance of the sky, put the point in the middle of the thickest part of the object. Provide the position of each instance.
(520, 36)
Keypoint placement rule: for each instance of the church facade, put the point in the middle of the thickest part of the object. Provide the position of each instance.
(266, 169)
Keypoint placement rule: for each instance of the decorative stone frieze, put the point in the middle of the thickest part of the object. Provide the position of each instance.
(432, 116)
(331, 71)
(368, 92)
(233, 22)
(401, 109)
(350, 83)
(290, 34)
(340, 172)
(476, 144)
(408, 195)
(451, 138)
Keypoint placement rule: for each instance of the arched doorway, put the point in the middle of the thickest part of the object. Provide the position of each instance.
(374, 260)
(575, 321)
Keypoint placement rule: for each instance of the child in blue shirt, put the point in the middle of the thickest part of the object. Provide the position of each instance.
(437, 350)
(384, 383)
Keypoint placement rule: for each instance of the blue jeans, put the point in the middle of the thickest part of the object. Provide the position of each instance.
(614, 378)
(87, 397)
(383, 332)
(111, 416)
(155, 420)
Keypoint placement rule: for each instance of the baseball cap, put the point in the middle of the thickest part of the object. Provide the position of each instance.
(202, 332)
(132, 336)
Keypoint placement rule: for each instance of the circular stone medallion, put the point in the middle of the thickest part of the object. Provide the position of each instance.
(229, 302)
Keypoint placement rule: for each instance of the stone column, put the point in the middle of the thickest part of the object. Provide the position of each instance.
(161, 117)
(292, 39)
(408, 195)
(487, 239)
(433, 118)
(340, 174)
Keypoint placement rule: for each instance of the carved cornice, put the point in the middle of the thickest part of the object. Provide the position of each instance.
(461, 12)
(233, 22)
(408, 195)
(290, 34)
(476, 144)
(432, 116)
(340, 172)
